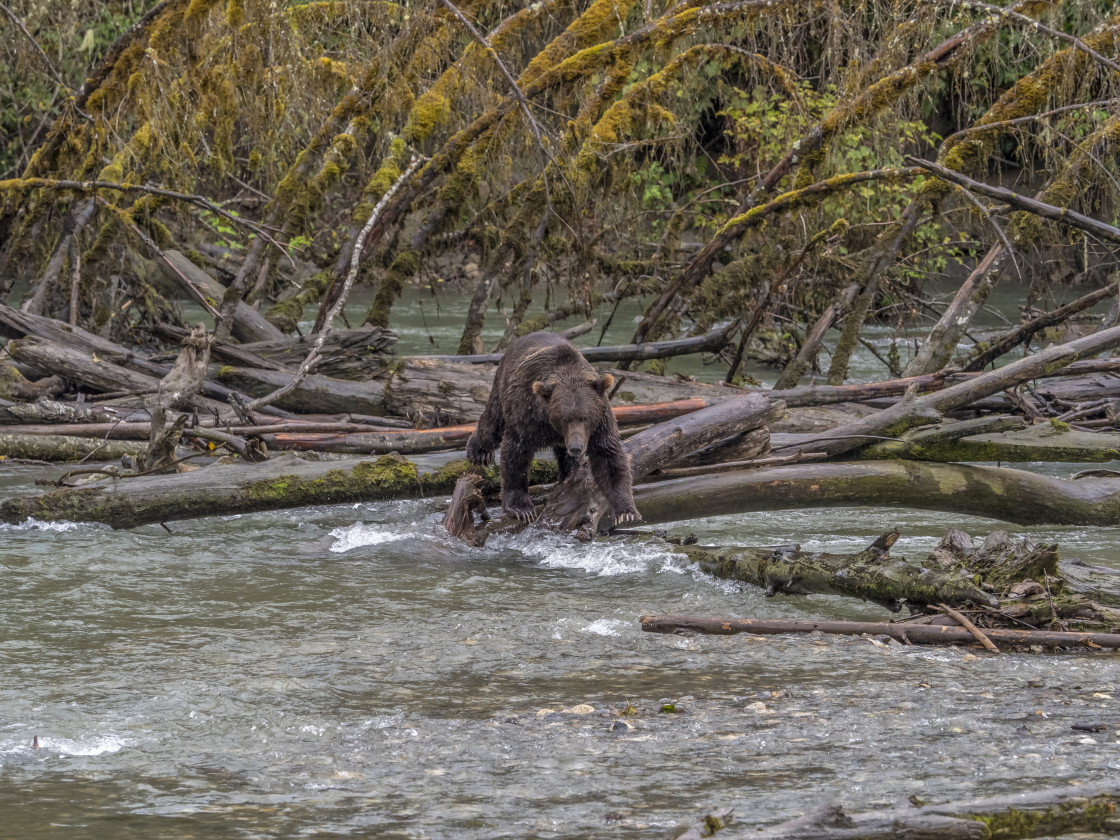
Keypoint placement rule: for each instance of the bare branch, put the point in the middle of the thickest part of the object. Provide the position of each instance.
(328, 323)
(1061, 215)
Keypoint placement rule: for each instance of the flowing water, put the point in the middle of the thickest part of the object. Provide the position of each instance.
(350, 671)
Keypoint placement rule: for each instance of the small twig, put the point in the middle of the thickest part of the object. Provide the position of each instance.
(983, 211)
(44, 58)
(967, 624)
(1030, 22)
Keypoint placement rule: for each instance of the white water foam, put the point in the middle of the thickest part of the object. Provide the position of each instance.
(90, 745)
(603, 559)
(33, 524)
(604, 627)
(360, 534)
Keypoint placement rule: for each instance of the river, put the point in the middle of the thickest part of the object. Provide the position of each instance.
(350, 671)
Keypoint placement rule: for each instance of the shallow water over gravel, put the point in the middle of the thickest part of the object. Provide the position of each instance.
(350, 671)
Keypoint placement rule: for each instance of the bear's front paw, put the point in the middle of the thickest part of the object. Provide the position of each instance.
(521, 511)
(480, 457)
(631, 515)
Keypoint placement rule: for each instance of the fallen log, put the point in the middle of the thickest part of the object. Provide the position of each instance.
(906, 632)
(284, 482)
(1000, 438)
(67, 448)
(248, 324)
(917, 411)
(357, 354)
(1057, 812)
(1013, 582)
(1010, 495)
(57, 412)
(710, 342)
(870, 575)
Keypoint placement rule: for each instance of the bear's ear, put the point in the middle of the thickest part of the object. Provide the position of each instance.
(603, 383)
(542, 389)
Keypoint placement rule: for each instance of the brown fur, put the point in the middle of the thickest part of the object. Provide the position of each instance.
(546, 394)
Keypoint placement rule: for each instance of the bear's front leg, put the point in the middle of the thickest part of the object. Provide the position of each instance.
(487, 435)
(611, 468)
(516, 460)
(564, 461)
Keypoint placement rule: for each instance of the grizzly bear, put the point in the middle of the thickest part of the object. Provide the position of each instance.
(546, 394)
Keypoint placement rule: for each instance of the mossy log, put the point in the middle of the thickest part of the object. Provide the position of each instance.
(67, 448)
(917, 411)
(1012, 582)
(999, 439)
(1000, 493)
(284, 482)
(871, 574)
(1056, 812)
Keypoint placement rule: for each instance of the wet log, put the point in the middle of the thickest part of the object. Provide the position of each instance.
(369, 443)
(1014, 583)
(92, 371)
(906, 632)
(870, 575)
(999, 438)
(233, 354)
(917, 411)
(1009, 495)
(67, 448)
(356, 354)
(316, 393)
(248, 324)
(1055, 812)
(56, 412)
(285, 481)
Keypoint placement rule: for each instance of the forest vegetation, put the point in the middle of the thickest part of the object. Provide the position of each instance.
(745, 166)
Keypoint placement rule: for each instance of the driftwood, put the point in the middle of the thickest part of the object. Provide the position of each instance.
(356, 354)
(708, 343)
(248, 324)
(1012, 582)
(906, 632)
(1010, 495)
(221, 489)
(67, 447)
(917, 411)
(999, 438)
(871, 574)
(1047, 813)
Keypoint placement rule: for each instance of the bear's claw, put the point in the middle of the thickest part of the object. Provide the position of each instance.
(628, 516)
(481, 457)
(522, 514)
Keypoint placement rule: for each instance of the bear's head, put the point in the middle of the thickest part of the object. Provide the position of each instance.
(575, 406)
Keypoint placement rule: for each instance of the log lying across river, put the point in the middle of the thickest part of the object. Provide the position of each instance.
(287, 481)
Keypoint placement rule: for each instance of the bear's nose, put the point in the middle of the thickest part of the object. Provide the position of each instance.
(575, 449)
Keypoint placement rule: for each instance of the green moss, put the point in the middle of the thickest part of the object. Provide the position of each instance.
(285, 314)
(403, 267)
